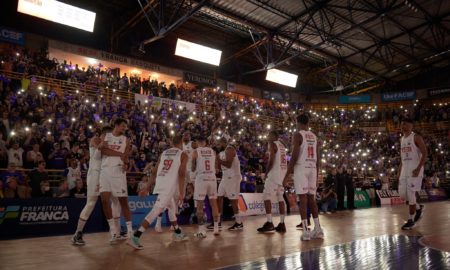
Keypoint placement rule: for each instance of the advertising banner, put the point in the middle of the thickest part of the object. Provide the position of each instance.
(438, 92)
(21, 218)
(115, 58)
(362, 199)
(157, 102)
(389, 197)
(139, 208)
(252, 204)
(436, 194)
(199, 79)
(354, 99)
(12, 36)
(398, 96)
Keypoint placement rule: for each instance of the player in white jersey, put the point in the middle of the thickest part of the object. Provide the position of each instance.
(304, 164)
(113, 179)
(169, 178)
(231, 180)
(204, 165)
(93, 188)
(413, 154)
(273, 186)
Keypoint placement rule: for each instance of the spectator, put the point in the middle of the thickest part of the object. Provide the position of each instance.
(435, 180)
(132, 187)
(33, 156)
(12, 172)
(340, 188)
(44, 191)
(72, 173)
(37, 176)
(63, 190)
(143, 185)
(141, 163)
(188, 207)
(74, 154)
(3, 152)
(79, 191)
(349, 187)
(328, 200)
(13, 190)
(57, 157)
(15, 154)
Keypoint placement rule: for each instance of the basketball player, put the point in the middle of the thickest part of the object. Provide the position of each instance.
(93, 175)
(113, 178)
(204, 165)
(413, 156)
(231, 179)
(304, 164)
(273, 186)
(188, 147)
(169, 178)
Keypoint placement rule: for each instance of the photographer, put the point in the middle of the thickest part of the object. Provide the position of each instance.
(328, 199)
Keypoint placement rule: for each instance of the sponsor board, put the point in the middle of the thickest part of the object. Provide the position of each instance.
(436, 194)
(43, 217)
(355, 99)
(12, 36)
(361, 199)
(252, 204)
(389, 197)
(398, 96)
(139, 208)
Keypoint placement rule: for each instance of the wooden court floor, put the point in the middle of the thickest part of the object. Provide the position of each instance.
(229, 248)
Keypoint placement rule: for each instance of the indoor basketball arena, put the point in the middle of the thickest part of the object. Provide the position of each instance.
(224, 134)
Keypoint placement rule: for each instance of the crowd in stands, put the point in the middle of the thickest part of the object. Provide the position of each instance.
(43, 129)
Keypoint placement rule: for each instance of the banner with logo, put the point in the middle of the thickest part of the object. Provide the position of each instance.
(12, 36)
(354, 99)
(157, 102)
(436, 194)
(199, 79)
(252, 204)
(362, 199)
(423, 195)
(21, 218)
(115, 58)
(139, 208)
(389, 197)
(438, 92)
(398, 96)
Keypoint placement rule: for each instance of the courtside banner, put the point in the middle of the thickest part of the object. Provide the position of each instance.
(252, 204)
(21, 218)
(362, 199)
(389, 197)
(139, 208)
(398, 96)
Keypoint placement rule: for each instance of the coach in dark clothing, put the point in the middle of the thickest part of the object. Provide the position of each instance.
(348, 175)
(331, 179)
(36, 177)
(340, 188)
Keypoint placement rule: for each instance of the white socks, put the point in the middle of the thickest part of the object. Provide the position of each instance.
(305, 224)
(281, 218)
(112, 227)
(269, 218)
(316, 223)
(417, 206)
(81, 224)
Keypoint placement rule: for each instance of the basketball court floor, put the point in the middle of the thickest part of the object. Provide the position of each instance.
(360, 239)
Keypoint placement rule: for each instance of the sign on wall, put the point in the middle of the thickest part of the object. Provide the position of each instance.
(438, 92)
(199, 79)
(354, 99)
(398, 96)
(12, 36)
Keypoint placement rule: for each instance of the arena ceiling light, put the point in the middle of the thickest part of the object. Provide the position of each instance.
(198, 52)
(281, 77)
(58, 12)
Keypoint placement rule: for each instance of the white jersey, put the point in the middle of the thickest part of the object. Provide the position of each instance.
(117, 144)
(167, 174)
(95, 161)
(72, 176)
(410, 155)
(279, 167)
(234, 172)
(308, 150)
(206, 161)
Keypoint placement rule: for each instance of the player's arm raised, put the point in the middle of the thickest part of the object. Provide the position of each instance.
(272, 152)
(182, 175)
(418, 140)
(230, 153)
(296, 142)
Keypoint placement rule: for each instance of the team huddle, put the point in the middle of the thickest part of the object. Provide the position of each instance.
(196, 162)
